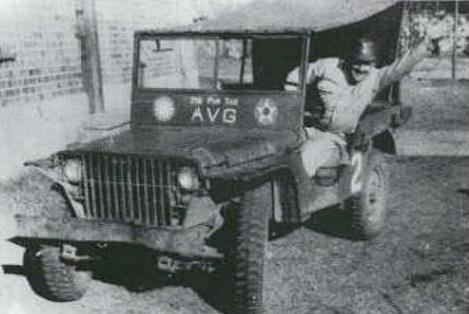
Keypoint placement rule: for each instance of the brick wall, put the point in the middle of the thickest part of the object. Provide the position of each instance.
(43, 106)
(117, 22)
(44, 35)
(48, 57)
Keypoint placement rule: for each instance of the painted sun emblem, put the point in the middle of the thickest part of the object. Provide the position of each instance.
(266, 112)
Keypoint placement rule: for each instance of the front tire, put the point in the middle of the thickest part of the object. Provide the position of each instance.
(367, 208)
(250, 246)
(51, 278)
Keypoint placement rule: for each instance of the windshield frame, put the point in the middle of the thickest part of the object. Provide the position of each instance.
(139, 36)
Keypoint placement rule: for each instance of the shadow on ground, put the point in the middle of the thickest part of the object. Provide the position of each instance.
(136, 270)
(332, 221)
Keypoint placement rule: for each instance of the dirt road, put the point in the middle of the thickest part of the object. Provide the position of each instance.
(416, 266)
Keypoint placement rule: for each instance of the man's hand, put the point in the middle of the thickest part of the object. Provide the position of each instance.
(438, 34)
(445, 45)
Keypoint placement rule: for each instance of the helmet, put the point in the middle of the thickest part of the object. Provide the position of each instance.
(363, 51)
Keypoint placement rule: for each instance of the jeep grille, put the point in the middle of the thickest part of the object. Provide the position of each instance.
(132, 189)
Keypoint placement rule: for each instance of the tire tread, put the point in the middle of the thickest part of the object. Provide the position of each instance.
(250, 244)
(51, 278)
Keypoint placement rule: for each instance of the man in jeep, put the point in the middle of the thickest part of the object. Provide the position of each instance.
(339, 91)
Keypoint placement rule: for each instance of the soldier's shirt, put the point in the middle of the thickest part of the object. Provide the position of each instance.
(343, 103)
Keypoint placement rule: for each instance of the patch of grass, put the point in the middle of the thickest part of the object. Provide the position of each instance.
(437, 105)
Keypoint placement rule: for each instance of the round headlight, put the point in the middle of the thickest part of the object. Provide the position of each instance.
(187, 179)
(164, 109)
(72, 170)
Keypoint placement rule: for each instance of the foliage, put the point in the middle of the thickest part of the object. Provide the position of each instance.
(416, 25)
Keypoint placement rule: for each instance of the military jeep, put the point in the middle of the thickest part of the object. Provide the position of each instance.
(214, 140)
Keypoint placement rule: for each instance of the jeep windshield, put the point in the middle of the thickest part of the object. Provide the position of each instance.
(216, 62)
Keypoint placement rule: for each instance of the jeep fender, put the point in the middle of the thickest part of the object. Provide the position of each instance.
(49, 167)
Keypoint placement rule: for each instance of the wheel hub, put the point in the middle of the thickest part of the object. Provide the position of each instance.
(375, 196)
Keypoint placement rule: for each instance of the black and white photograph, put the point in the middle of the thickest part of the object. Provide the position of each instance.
(234, 156)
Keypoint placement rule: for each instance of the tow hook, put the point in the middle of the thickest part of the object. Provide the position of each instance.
(171, 265)
(69, 255)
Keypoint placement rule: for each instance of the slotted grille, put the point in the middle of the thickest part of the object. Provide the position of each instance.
(129, 188)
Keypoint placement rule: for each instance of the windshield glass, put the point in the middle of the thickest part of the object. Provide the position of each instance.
(215, 63)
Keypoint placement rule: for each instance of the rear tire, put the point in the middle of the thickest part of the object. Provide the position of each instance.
(367, 209)
(51, 278)
(250, 245)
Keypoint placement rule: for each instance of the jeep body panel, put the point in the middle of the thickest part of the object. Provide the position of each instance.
(188, 242)
(232, 134)
(245, 110)
(217, 152)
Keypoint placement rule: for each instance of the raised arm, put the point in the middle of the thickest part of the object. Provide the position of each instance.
(404, 65)
(392, 73)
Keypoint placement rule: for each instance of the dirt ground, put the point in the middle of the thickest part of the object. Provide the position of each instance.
(416, 266)
(437, 104)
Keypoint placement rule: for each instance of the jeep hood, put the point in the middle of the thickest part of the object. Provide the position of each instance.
(217, 151)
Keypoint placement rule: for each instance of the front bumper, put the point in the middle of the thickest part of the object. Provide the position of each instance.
(189, 242)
